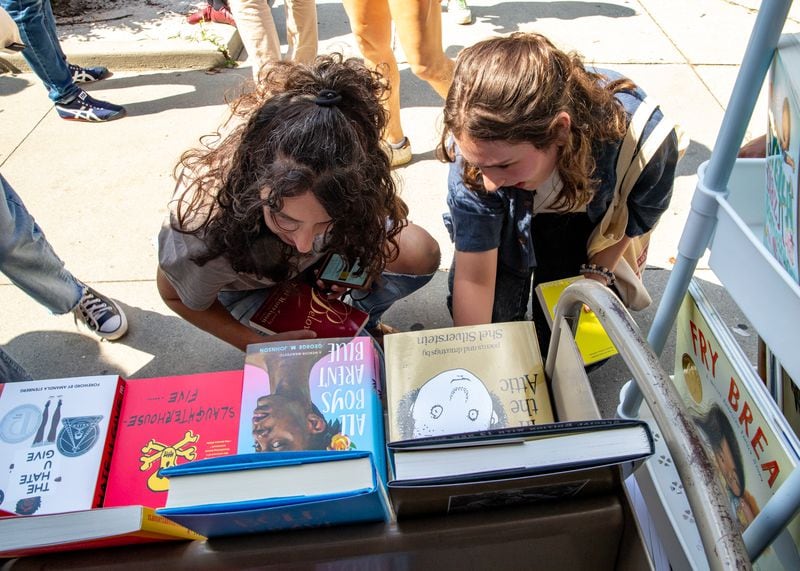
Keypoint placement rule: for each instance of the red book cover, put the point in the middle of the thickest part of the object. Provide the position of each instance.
(166, 421)
(295, 305)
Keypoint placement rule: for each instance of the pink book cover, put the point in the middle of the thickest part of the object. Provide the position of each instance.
(295, 305)
(167, 421)
(313, 394)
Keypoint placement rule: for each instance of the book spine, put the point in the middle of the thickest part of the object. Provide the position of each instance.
(108, 450)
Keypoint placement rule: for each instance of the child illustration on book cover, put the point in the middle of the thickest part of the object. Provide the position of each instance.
(720, 436)
(451, 402)
(313, 396)
(780, 230)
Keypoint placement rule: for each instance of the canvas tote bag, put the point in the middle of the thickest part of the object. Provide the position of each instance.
(612, 226)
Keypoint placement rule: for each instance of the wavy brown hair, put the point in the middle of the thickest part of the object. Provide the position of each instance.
(287, 143)
(513, 88)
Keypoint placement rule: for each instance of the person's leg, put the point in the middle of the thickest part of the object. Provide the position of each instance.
(559, 244)
(10, 370)
(371, 23)
(257, 29)
(243, 304)
(43, 52)
(419, 29)
(301, 30)
(28, 259)
(414, 267)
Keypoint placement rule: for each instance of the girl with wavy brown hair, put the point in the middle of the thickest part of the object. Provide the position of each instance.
(532, 137)
(300, 174)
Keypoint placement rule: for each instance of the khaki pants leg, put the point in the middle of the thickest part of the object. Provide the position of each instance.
(301, 30)
(419, 28)
(258, 32)
(371, 23)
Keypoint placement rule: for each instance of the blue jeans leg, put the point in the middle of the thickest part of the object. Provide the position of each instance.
(37, 28)
(28, 259)
(243, 304)
(10, 370)
(385, 292)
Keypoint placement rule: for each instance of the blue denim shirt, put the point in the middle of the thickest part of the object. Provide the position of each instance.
(479, 221)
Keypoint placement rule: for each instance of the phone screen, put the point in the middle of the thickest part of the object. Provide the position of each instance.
(336, 271)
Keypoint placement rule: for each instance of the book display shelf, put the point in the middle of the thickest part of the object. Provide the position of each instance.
(728, 217)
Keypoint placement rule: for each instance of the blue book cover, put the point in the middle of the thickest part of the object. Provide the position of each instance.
(316, 394)
(283, 510)
(366, 506)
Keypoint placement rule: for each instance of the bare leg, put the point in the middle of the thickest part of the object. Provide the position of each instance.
(419, 252)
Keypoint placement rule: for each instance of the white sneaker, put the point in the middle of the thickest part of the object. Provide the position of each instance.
(459, 11)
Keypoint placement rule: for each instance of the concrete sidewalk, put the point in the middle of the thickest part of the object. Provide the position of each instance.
(100, 190)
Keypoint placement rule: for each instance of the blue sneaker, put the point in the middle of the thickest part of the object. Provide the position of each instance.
(86, 108)
(88, 74)
(101, 314)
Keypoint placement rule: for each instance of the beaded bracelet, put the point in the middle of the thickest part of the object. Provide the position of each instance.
(599, 271)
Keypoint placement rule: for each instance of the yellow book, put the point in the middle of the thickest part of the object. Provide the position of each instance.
(465, 379)
(87, 529)
(591, 339)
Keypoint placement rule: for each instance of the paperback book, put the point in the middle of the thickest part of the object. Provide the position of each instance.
(783, 155)
(170, 421)
(87, 529)
(315, 394)
(55, 443)
(306, 405)
(465, 379)
(296, 305)
(754, 448)
(592, 340)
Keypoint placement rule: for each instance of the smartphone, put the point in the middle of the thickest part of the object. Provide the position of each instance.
(335, 271)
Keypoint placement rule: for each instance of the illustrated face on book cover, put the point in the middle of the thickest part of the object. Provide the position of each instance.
(287, 419)
(453, 401)
(282, 422)
(716, 428)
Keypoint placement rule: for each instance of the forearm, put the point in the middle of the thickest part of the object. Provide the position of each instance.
(474, 287)
(472, 304)
(611, 256)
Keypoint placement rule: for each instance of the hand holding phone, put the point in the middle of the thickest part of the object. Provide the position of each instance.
(334, 271)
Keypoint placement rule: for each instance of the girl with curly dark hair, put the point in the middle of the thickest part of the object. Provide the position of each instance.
(300, 174)
(533, 137)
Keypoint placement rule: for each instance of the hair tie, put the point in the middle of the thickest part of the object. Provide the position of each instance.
(327, 98)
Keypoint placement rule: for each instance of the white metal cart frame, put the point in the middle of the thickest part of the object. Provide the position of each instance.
(769, 300)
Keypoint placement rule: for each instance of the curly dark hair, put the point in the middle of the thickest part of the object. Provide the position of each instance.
(290, 145)
(513, 88)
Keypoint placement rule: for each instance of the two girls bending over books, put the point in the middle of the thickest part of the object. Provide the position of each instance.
(533, 139)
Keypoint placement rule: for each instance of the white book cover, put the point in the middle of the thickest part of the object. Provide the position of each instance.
(53, 440)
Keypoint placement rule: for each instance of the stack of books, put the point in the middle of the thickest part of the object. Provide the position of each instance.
(297, 440)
